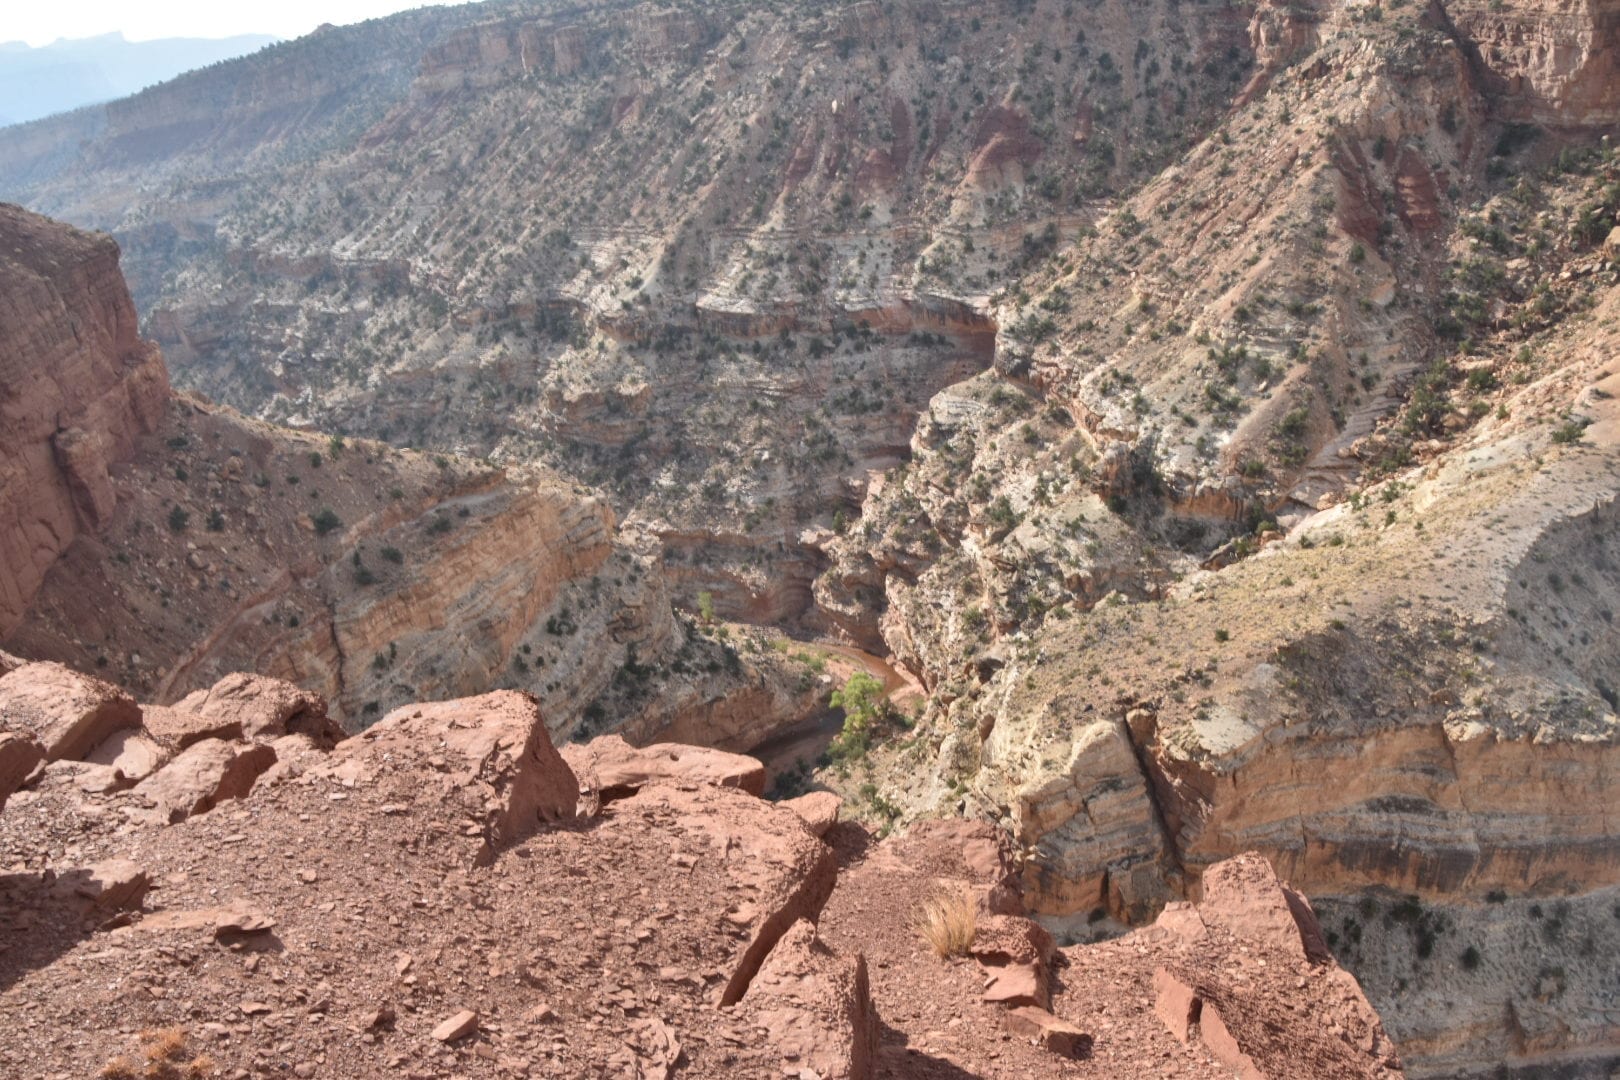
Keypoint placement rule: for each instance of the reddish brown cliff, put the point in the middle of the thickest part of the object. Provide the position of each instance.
(77, 387)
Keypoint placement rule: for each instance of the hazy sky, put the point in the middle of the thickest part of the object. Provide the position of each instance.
(40, 23)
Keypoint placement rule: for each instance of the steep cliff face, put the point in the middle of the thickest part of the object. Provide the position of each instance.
(1547, 61)
(78, 387)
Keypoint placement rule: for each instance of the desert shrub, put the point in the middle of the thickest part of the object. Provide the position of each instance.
(947, 922)
(327, 522)
(165, 1057)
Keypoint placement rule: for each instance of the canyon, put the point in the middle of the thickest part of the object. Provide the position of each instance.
(1207, 407)
(166, 542)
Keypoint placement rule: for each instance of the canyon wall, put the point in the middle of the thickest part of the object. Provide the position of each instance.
(1551, 62)
(78, 387)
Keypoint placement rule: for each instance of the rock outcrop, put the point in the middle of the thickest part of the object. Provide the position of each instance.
(424, 893)
(1547, 61)
(614, 768)
(481, 922)
(66, 713)
(1202, 954)
(78, 387)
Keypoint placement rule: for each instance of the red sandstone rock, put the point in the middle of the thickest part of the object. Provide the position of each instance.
(1224, 1046)
(1015, 954)
(458, 1026)
(1059, 1036)
(817, 1006)
(68, 713)
(20, 755)
(1176, 1004)
(777, 873)
(819, 809)
(1243, 896)
(132, 755)
(77, 387)
(180, 729)
(203, 775)
(1236, 973)
(502, 770)
(113, 885)
(265, 708)
(615, 768)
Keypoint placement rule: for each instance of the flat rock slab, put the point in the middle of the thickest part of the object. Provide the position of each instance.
(113, 885)
(818, 1004)
(131, 754)
(1057, 1036)
(264, 708)
(615, 768)
(458, 1026)
(179, 729)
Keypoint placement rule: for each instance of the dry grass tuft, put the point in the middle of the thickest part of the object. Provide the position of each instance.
(947, 922)
(165, 1052)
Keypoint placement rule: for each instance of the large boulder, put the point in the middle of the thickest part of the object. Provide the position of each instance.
(204, 775)
(499, 768)
(817, 1005)
(178, 729)
(69, 714)
(614, 768)
(265, 708)
(819, 809)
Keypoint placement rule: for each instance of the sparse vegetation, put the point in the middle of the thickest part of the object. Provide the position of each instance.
(947, 922)
(164, 1055)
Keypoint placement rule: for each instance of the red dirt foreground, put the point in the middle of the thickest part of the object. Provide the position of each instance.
(439, 898)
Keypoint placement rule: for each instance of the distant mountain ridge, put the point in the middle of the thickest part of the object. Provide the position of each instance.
(67, 74)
